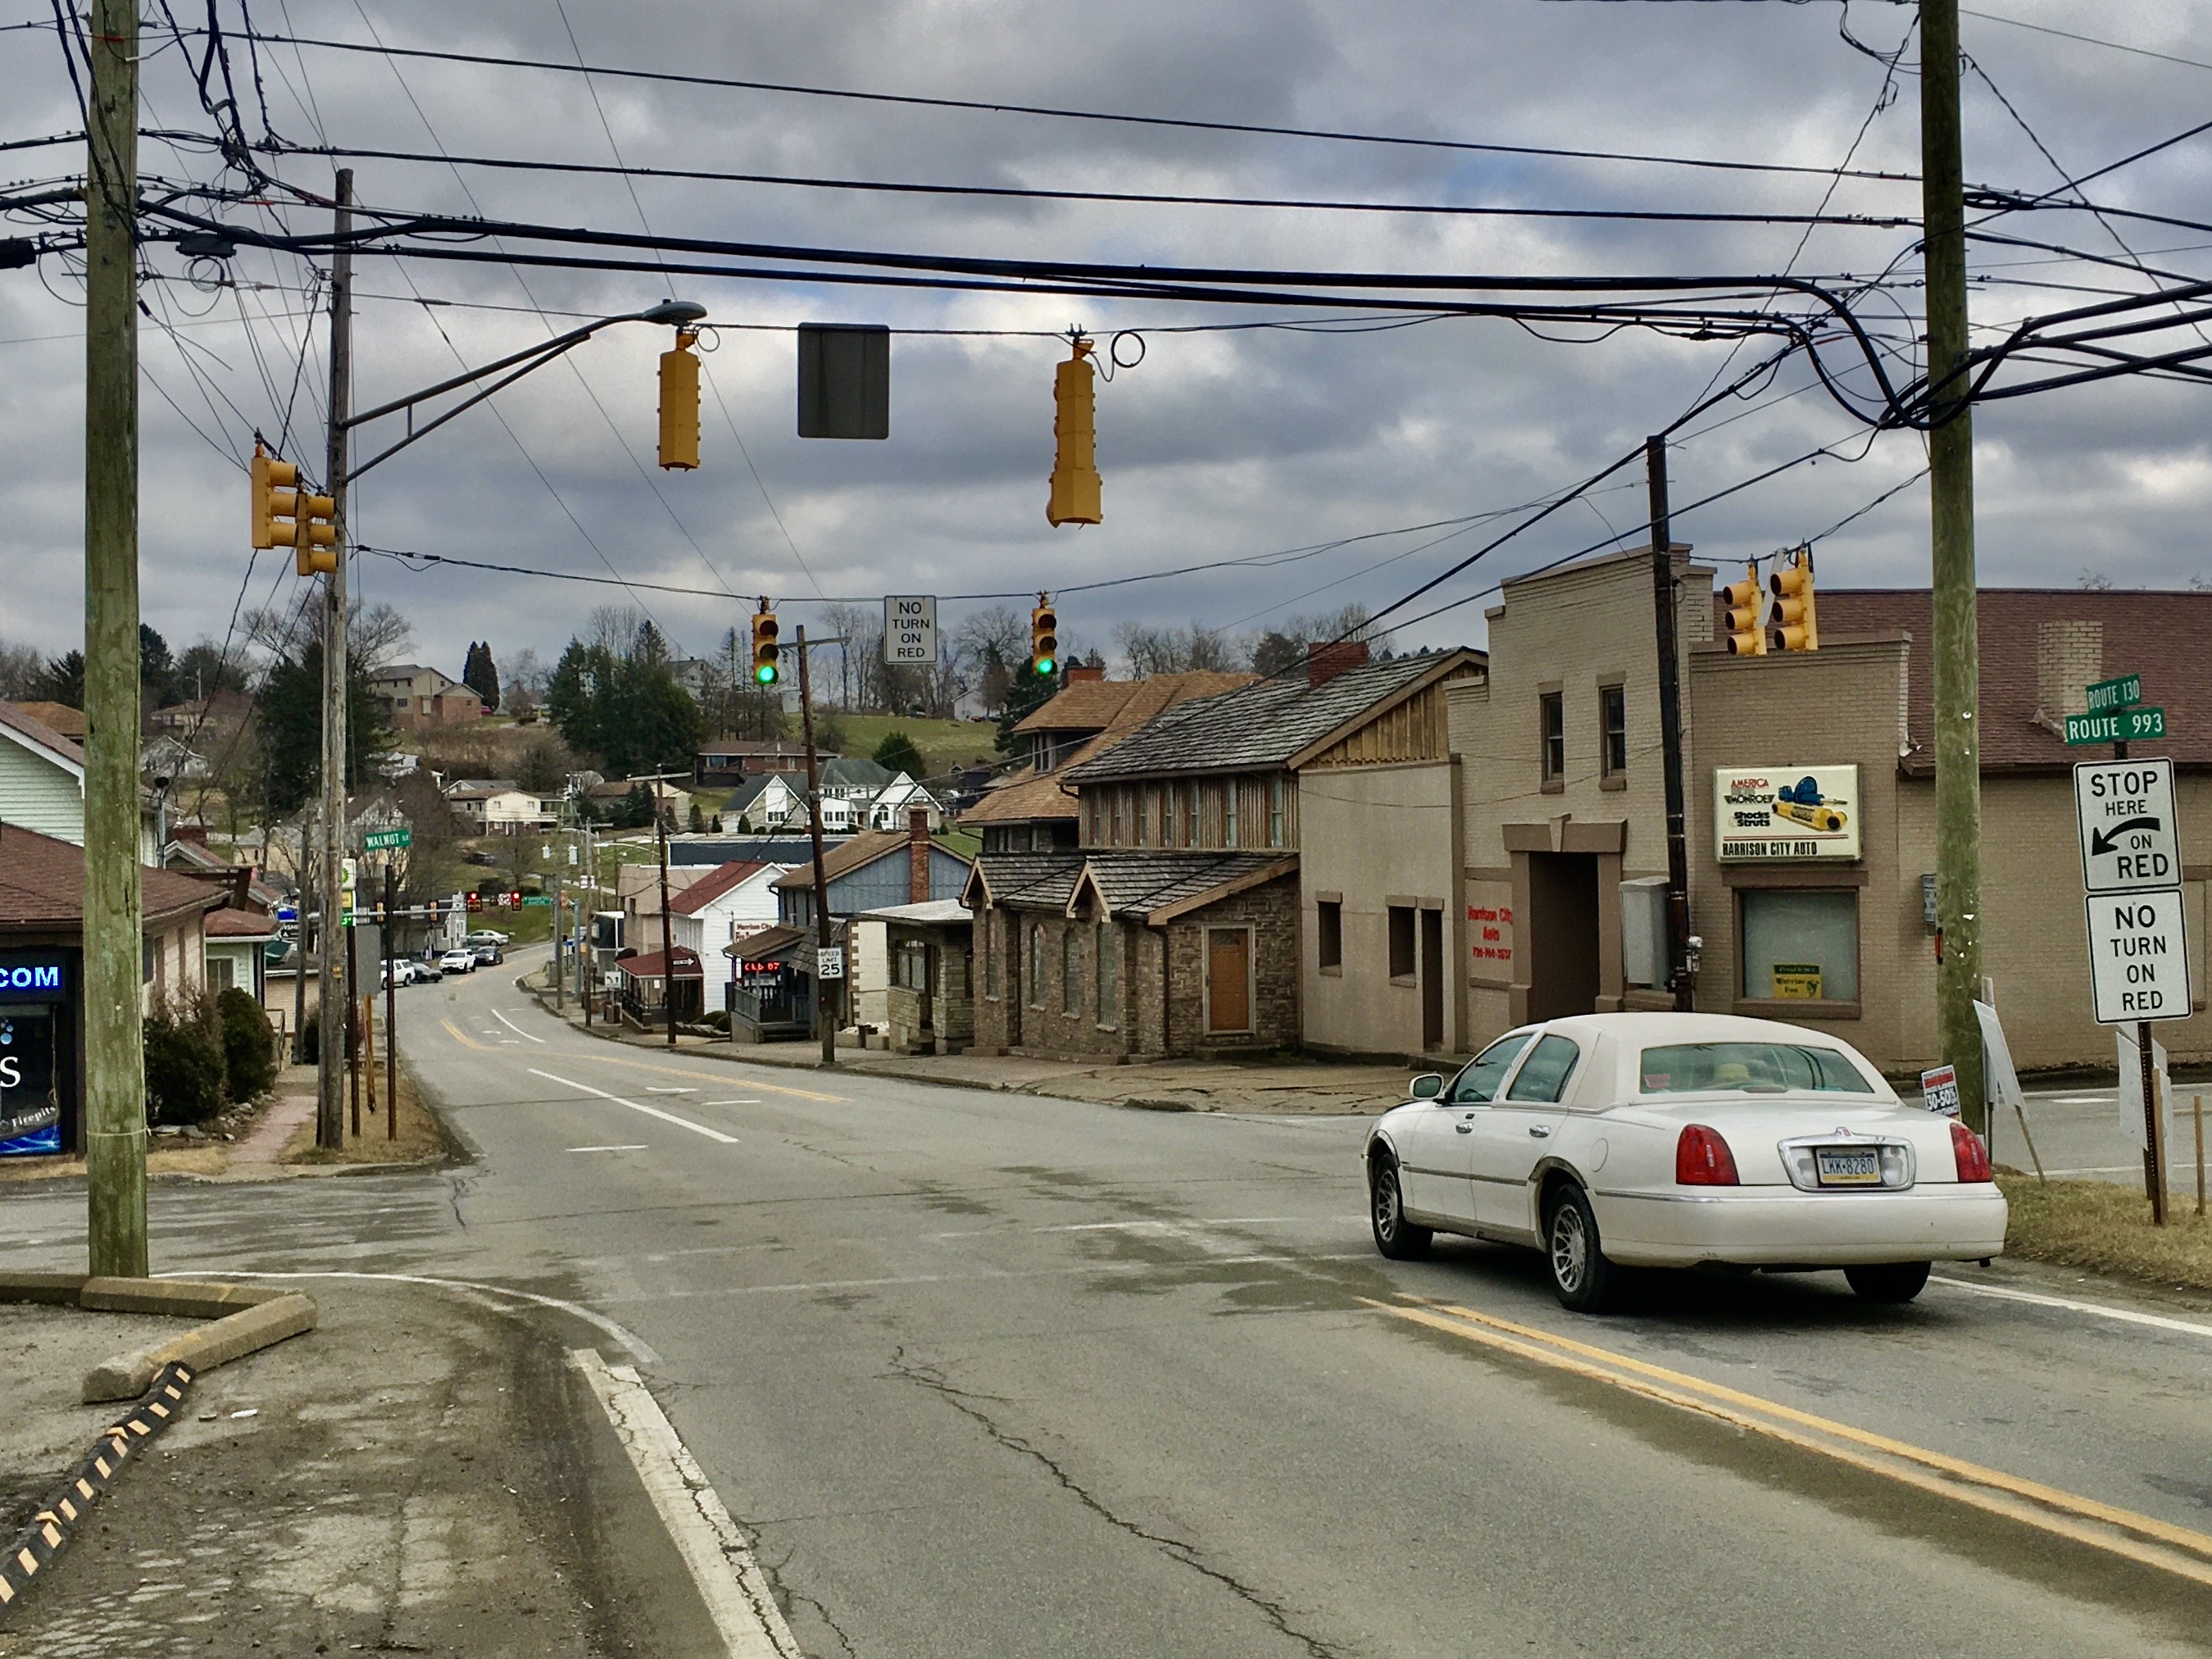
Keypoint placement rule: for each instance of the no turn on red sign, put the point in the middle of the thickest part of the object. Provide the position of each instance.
(2131, 866)
(2138, 957)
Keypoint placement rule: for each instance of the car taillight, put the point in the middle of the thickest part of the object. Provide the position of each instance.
(1972, 1156)
(1702, 1158)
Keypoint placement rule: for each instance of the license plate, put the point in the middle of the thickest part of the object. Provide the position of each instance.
(1847, 1166)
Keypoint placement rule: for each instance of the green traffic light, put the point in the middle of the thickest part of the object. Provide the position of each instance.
(765, 673)
(1045, 665)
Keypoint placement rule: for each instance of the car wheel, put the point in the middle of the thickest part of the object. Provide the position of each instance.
(1888, 1281)
(1397, 1237)
(1581, 1275)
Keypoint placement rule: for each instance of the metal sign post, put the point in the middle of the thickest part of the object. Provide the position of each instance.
(2138, 954)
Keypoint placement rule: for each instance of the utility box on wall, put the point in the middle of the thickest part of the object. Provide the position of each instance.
(1643, 931)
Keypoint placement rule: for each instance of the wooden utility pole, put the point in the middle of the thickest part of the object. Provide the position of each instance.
(1663, 603)
(667, 924)
(114, 1038)
(1951, 500)
(330, 1001)
(391, 1006)
(823, 1021)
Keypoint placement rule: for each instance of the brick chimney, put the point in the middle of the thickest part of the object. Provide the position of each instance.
(1325, 662)
(1078, 672)
(917, 855)
(2069, 656)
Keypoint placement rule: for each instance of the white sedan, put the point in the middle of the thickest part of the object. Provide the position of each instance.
(457, 962)
(1679, 1140)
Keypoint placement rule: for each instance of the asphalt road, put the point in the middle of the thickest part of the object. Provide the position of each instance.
(991, 1375)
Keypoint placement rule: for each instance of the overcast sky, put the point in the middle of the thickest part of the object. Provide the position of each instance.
(1219, 445)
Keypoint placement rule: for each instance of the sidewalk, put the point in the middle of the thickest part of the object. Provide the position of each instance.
(1291, 1083)
(420, 1474)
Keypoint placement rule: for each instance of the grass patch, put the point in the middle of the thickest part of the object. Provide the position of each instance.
(2105, 1227)
(943, 743)
(419, 1135)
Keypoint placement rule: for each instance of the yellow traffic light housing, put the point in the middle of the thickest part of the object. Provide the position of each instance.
(275, 498)
(1795, 625)
(679, 404)
(766, 670)
(314, 535)
(1074, 497)
(1044, 637)
(1747, 617)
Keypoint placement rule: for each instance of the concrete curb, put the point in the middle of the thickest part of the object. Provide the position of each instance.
(34, 1548)
(246, 1318)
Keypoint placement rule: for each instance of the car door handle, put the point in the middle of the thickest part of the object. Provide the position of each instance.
(1539, 1131)
(1464, 1128)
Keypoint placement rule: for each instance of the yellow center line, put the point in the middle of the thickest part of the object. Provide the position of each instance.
(2004, 1498)
(677, 1071)
(464, 1038)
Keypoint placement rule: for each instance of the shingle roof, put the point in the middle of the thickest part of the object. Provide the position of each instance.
(231, 922)
(1026, 881)
(2159, 635)
(56, 717)
(42, 883)
(472, 789)
(854, 772)
(1136, 883)
(26, 724)
(712, 885)
(864, 848)
(767, 944)
(1262, 725)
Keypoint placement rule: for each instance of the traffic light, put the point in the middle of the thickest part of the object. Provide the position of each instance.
(1044, 639)
(679, 404)
(1796, 626)
(314, 535)
(1074, 498)
(1747, 617)
(275, 497)
(765, 671)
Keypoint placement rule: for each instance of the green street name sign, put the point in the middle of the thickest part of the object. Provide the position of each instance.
(385, 841)
(2124, 726)
(2107, 695)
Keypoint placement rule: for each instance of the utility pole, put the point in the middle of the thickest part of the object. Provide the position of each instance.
(330, 1012)
(303, 901)
(1951, 498)
(391, 1006)
(823, 1021)
(667, 923)
(114, 1037)
(1663, 612)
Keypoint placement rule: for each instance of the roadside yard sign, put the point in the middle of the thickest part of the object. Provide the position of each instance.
(911, 630)
(2138, 959)
(2118, 692)
(2120, 726)
(2123, 811)
(1939, 1090)
(387, 841)
(2132, 870)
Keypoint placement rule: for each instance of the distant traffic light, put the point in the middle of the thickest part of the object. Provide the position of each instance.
(1747, 617)
(765, 650)
(1795, 625)
(1044, 639)
(679, 404)
(1074, 497)
(314, 535)
(275, 497)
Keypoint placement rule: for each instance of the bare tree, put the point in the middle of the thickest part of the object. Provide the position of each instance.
(21, 669)
(1149, 650)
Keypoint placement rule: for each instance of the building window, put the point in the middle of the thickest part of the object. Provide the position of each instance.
(1800, 946)
(221, 973)
(1402, 941)
(1275, 810)
(1228, 791)
(1194, 821)
(1328, 934)
(1613, 720)
(994, 936)
(1071, 972)
(1552, 719)
(1108, 995)
(1036, 964)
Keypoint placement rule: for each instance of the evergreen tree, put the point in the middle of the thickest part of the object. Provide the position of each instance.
(896, 753)
(481, 675)
(1027, 690)
(289, 713)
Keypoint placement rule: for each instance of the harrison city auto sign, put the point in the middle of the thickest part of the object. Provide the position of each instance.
(1786, 812)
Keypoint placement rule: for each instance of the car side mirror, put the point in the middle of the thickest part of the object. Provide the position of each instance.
(1427, 1086)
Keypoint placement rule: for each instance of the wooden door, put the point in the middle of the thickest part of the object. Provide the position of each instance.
(1228, 979)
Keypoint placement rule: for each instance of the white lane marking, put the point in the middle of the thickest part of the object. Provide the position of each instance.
(637, 1147)
(729, 1103)
(2082, 1100)
(512, 1027)
(635, 1106)
(721, 1562)
(622, 1334)
(650, 1090)
(2100, 1169)
(2101, 1310)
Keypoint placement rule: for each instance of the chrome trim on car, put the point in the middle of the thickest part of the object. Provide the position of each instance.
(1898, 1167)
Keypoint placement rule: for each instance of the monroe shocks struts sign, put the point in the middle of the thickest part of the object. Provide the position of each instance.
(1785, 812)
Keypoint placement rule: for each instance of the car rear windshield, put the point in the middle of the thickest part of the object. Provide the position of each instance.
(1757, 1067)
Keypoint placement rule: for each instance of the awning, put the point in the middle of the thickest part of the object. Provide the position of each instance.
(655, 966)
(771, 944)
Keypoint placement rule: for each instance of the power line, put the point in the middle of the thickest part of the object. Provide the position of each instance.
(670, 78)
(2085, 40)
(1125, 197)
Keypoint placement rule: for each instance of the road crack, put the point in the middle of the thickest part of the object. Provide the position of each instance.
(1176, 1549)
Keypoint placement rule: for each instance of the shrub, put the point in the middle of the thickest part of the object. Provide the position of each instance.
(184, 1066)
(249, 1047)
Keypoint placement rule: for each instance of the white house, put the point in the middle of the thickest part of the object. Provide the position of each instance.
(42, 784)
(497, 806)
(730, 901)
(890, 808)
(763, 804)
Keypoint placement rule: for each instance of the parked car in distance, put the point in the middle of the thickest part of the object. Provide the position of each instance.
(398, 971)
(1667, 1139)
(458, 960)
(485, 936)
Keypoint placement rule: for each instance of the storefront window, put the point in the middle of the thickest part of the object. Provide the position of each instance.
(1800, 946)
